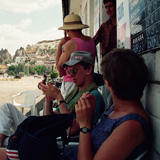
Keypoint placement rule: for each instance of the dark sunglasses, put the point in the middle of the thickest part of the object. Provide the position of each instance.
(72, 71)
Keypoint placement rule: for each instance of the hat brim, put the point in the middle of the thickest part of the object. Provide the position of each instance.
(73, 27)
(71, 63)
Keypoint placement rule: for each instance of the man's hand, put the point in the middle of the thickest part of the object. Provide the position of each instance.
(51, 91)
(64, 40)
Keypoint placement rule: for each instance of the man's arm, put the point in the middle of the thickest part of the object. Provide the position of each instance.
(48, 107)
(54, 93)
(97, 37)
(63, 56)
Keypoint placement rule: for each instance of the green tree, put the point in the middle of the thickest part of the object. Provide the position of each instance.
(26, 72)
(31, 70)
(36, 69)
(26, 60)
(11, 73)
(12, 68)
(54, 74)
(20, 68)
(43, 69)
(40, 69)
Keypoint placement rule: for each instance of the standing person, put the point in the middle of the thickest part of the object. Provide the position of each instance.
(107, 37)
(107, 33)
(75, 41)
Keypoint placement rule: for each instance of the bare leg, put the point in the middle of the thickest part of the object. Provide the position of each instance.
(2, 137)
(3, 155)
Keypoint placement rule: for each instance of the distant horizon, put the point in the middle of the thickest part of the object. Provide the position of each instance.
(27, 23)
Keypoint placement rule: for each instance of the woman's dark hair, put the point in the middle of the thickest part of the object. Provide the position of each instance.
(105, 1)
(126, 73)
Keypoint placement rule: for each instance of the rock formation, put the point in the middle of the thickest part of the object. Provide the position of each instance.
(5, 56)
(20, 53)
(46, 47)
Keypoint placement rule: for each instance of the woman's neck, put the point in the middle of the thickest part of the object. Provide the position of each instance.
(125, 105)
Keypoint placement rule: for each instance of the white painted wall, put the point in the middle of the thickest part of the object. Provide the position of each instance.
(151, 100)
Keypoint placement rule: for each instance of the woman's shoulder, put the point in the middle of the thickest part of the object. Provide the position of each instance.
(140, 113)
(137, 116)
(136, 120)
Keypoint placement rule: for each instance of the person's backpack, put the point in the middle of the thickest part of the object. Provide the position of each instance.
(35, 137)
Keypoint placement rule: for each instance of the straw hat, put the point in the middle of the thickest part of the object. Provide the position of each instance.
(73, 22)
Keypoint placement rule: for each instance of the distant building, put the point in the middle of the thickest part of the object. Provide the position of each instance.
(19, 60)
(3, 68)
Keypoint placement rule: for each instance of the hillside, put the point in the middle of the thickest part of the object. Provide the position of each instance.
(41, 48)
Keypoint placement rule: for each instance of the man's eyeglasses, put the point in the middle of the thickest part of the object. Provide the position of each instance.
(72, 71)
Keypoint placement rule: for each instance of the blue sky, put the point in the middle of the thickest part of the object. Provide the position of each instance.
(24, 22)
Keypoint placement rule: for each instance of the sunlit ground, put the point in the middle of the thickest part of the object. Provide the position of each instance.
(9, 87)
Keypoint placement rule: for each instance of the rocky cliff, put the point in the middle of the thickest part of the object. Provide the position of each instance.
(20, 53)
(5, 56)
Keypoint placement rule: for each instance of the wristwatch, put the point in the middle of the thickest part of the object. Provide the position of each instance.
(85, 130)
(60, 101)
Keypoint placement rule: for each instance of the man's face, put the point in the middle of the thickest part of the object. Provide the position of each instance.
(78, 74)
(110, 9)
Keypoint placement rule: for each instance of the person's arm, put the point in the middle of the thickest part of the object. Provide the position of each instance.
(59, 53)
(70, 46)
(91, 97)
(97, 36)
(48, 106)
(85, 112)
(3, 155)
(129, 135)
(54, 93)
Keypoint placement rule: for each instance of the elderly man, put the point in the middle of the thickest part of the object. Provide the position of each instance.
(81, 70)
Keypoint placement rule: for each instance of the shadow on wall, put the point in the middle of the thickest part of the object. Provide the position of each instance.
(151, 100)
